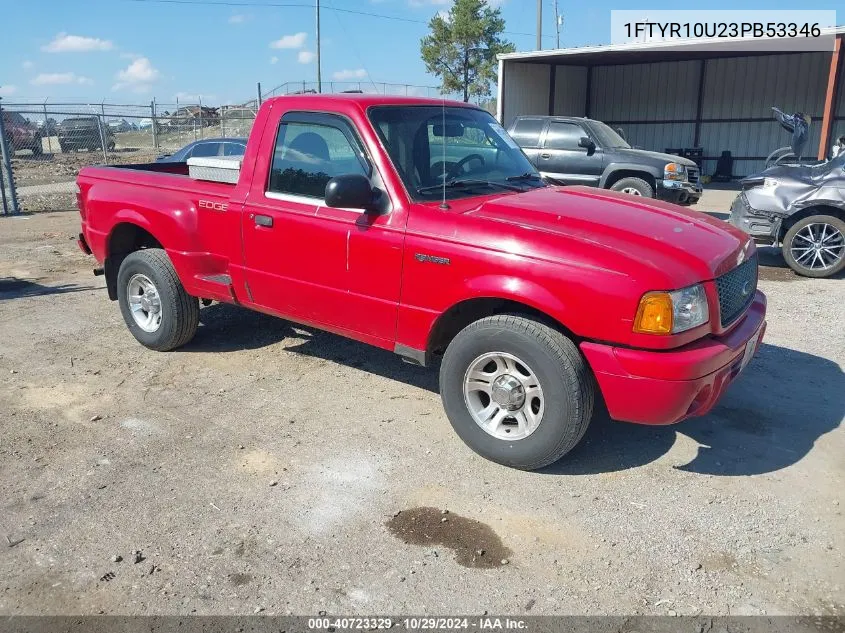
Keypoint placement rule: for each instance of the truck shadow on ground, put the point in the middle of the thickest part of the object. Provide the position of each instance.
(769, 419)
(14, 288)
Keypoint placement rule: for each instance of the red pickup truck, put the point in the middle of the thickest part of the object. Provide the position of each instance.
(419, 226)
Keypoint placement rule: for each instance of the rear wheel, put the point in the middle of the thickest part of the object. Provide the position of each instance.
(154, 304)
(633, 186)
(815, 246)
(516, 391)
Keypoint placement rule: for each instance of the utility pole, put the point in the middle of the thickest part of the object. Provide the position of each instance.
(319, 78)
(539, 25)
(558, 24)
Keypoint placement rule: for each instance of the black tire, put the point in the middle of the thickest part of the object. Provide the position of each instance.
(643, 188)
(179, 311)
(566, 381)
(800, 267)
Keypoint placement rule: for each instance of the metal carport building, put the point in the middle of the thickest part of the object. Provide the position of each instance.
(684, 96)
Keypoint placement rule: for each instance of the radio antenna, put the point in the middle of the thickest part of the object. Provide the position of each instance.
(443, 138)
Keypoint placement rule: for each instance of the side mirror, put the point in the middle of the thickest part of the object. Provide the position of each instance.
(350, 191)
(587, 144)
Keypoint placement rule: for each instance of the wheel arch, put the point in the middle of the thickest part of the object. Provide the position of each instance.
(461, 314)
(806, 212)
(125, 237)
(616, 172)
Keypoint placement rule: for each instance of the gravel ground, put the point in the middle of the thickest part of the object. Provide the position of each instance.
(268, 466)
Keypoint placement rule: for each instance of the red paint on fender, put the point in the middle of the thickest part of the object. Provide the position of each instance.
(584, 257)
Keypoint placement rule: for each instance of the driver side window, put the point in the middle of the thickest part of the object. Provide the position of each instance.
(310, 152)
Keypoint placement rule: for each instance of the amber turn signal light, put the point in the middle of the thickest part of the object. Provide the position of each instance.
(654, 316)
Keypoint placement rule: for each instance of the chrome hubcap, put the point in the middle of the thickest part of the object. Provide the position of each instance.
(503, 396)
(631, 191)
(818, 246)
(144, 302)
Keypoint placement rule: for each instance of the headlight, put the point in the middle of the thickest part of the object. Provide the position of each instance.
(672, 312)
(674, 171)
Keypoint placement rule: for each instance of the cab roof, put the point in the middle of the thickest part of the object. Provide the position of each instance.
(365, 100)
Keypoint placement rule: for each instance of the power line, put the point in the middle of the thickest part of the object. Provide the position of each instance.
(301, 5)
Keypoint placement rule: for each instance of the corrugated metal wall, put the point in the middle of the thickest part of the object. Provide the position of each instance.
(748, 88)
(645, 92)
(526, 90)
(734, 88)
(570, 90)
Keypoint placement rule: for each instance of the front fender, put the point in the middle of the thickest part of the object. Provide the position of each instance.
(519, 290)
(612, 168)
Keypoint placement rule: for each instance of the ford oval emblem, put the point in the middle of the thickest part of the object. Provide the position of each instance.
(746, 289)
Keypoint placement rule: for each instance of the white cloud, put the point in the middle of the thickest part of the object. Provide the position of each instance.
(58, 79)
(305, 57)
(64, 43)
(137, 76)
(428, 3)
(239, 18)
(27, 65)
(274, 60)
(443, 14)
(358, 73)
(8, 90)
(297, 40)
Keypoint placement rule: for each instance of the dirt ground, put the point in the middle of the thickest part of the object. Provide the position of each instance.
(268, 466)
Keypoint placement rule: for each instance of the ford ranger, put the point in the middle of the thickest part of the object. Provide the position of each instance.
(419, 226)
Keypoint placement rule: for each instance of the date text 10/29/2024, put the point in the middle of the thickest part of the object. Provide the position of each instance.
(484, 623)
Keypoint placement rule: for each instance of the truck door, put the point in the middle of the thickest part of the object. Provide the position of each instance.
(564, 161)
(527, 131)
(339, 268)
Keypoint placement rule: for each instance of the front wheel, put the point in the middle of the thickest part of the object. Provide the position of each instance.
(633, 186)
(154, 304)
(815, 246)
(516, 391)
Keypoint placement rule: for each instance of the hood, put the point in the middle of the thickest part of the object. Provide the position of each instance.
(672, 246)
(655, 157)
(784, 189)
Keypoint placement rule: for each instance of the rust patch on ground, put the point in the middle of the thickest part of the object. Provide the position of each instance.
(777, 273)
(719, 561)
(474, 543)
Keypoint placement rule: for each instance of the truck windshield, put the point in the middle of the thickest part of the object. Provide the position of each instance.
(607, 136)
(462, 148)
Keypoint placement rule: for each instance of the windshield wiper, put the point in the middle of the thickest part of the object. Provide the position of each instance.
(529, 175)
(466, 183)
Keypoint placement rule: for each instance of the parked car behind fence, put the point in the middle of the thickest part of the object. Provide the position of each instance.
(84, 132)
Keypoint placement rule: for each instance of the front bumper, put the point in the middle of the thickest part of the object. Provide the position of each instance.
(679, 192)
(649, 387)
(764, 228)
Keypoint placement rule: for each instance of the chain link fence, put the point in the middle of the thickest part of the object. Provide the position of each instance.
(48, 143)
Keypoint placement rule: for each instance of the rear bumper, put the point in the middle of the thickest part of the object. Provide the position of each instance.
(649, 387)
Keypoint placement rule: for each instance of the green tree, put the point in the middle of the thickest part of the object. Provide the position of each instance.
(461, 47)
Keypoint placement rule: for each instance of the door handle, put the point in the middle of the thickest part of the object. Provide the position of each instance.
(546, 156)
(263, 220)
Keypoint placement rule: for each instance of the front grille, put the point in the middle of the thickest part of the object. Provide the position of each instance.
(692, 174)
(736, 290)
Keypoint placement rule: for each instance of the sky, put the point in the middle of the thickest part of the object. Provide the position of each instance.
(131, 51)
